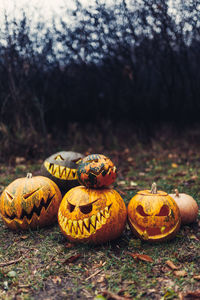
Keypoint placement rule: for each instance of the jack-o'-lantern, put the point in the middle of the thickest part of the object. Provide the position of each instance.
(92, 215)
(61, 167)
(153, 215)
(96, 171)
(30, 202)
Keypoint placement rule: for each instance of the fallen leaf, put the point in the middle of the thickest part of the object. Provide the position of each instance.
(69, 245)
(194, 177)
(180, 296)
(113, 296)
(193, 237)
(142, 174)
(181, 173)
(24, 237)
(193, 294)
(122, 182)
(19, 160)
(143, 257)
(133, 183)
(174, 165)
(99, 297)
(172, 265)
(180, 273)
(12, 274)
(72, 259)
(56, 279)
(130, 159)
(197, 277)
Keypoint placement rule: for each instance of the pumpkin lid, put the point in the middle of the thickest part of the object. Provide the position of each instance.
(153, 191)
(149, 193)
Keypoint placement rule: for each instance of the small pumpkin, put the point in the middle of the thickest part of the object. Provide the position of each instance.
(92, 215)
(153, 215)
(96, 171)
(30, 202)
(187, 205)
(61, 167)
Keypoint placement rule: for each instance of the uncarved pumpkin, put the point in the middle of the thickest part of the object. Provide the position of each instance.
(96, 171)
(187, 205)
(92, 215)
(30, 202)
(153, 215)
(61, 167)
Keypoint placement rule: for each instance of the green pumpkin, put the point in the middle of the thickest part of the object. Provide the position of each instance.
(61, 167)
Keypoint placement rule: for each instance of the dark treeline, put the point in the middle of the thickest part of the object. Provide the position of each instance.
(138, 63)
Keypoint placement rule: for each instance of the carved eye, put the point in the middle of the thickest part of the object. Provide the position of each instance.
(30, 194)
(59, 157)
(86, 209)
(10, 197)
(140, 210)
(164, 211)
(70, 207)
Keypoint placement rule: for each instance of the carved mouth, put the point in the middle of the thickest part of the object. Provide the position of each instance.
(61, 172)
(153, 232)
(85, 227)
(35, 211)
(102, 170)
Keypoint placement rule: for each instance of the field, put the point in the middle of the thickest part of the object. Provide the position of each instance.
(42, 264)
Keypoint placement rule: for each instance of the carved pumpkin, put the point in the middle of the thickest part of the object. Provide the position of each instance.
(30, 202)
(61, 167)
(96, 171)
(153, 215)
(92, 215)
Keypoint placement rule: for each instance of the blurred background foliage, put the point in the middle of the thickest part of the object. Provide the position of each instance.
(94, 69)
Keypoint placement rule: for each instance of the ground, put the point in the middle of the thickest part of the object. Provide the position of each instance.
(42, 264)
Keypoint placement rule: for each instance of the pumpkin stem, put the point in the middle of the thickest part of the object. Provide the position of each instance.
(154, 188)
(29, 175)
(177, 192)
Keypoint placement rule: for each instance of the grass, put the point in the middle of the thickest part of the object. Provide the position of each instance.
(44, 272)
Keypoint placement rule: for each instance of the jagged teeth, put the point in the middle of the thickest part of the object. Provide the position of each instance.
(70, 225)
(162, 229)
(98, 225)
(93, 220)
(99, 217)
(102, 212)
(86, 222)
(92, 229)
(103, 220)
(80, 223)
(75, 226)
(87, 226)
(61, 172)
(62, 169)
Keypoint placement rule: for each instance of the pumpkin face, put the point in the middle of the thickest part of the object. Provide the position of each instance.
(61, 167)
(96, 171)
(30, 202)
(153, 216)
(92, 215)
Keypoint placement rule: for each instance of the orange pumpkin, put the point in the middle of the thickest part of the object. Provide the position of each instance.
(153, 215)
(30, 202)
(92, 215)
(96, 171)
